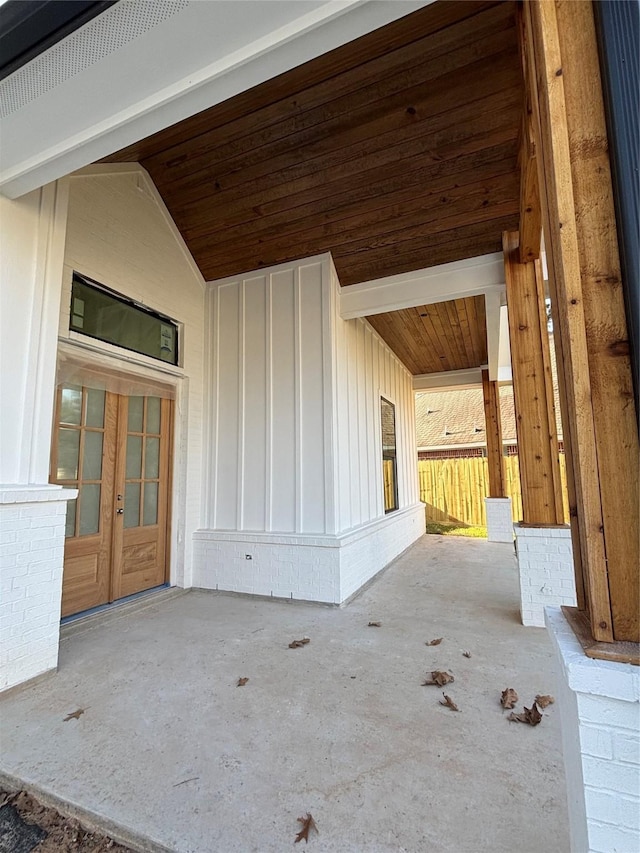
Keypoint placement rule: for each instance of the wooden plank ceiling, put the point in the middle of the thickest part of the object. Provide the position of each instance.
(395, 152)
(433, 338)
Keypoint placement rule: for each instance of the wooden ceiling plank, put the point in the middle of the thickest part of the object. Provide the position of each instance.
(382, 207)
(430, 20)
(465, 331)
(444, 247)
(477, 324)
(391, 333)
(433, 361)
(301, 124)
(470, 128)
(404, 109)
(457, 338)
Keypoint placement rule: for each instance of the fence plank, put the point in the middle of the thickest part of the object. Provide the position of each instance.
(454, 489)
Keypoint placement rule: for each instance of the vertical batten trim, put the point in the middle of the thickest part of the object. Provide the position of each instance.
(215, 310)
(297, 406)
(268, 372)
(327, 302)
(208, 431)
(241, 406)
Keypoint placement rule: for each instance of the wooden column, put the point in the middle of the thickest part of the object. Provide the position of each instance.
(588, 304)
(493, 424)
(532, 388)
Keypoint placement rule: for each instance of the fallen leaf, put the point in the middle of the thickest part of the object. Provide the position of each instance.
(374, 625)
(449, 703)
(308, 823)
(435, 642)
(440, 678)
(75, 715)
(544, 700)
(509, 698)
(242, 682)
(466, 654)
(297, 644)
(530, 715)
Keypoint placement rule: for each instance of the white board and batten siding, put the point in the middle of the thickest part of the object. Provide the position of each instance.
(120, 234)
(295, 457)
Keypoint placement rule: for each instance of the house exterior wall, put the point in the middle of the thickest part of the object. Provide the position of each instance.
(120, 235)
(31, 511)
(295, 459)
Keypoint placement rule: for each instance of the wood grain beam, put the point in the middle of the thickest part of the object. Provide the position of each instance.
(533, 389)
(530, 210)
(493, 426)
(589, 299)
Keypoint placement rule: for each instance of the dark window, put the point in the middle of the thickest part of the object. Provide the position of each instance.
(389, 459)
(100, 313)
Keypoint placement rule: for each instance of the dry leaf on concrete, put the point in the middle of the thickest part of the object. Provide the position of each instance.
(544, 700)
(374, 625)
(75, 715)
(440, 678)
(242, 682)
(435, 642)
(297, 644)
(509, 698)
(530, 715)
(449, 703)
(466, 654)
(308, 823)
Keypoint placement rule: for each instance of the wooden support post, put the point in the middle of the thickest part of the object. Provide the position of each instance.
(589, 317)
(530, 211)
(532, 388)
(493, 423)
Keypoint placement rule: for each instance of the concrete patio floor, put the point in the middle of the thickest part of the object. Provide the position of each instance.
(171, 748)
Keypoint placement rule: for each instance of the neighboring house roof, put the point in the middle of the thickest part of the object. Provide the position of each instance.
(456, 418)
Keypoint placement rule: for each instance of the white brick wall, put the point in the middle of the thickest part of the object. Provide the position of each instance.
(499, 519)
(599, 705)
(311, 568)
(545, 563)
(31, 558)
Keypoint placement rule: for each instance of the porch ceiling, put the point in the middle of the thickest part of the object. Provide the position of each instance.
(395, 152)
(448, 335)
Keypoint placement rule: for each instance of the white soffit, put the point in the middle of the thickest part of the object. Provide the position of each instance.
(449, 380)
(456, 280)
(142, 66)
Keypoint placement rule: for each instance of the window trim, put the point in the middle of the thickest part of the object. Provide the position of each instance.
(394, 458)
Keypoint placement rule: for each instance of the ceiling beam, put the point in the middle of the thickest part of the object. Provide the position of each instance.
(456, 280)
(449, 380)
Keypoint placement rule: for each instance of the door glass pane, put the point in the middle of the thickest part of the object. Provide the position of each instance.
(150, 511)
(70, 526)
(71, 405)
(153, 414)
(95, 408)
(134, 457)
(132, 505)
(68, 452)
(89, 509)
(135, 414)
(152, 458)
(92, 456)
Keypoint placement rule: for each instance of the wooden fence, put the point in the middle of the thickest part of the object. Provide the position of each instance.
(454, 489)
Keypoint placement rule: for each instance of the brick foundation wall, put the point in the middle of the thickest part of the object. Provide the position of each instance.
(545, 564)
(499, 519)
(32, 522)
(322, 568)
(599, 705)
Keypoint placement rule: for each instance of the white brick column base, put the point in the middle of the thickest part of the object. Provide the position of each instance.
(545, 563)
(499, 520)
(599, 704)
(32, 521)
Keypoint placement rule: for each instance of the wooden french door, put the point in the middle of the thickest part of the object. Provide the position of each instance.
(116, 451)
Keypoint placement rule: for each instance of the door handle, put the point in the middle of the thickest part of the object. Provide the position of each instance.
(119, 511)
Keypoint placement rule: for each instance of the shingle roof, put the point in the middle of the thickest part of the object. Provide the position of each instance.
(456, 418)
